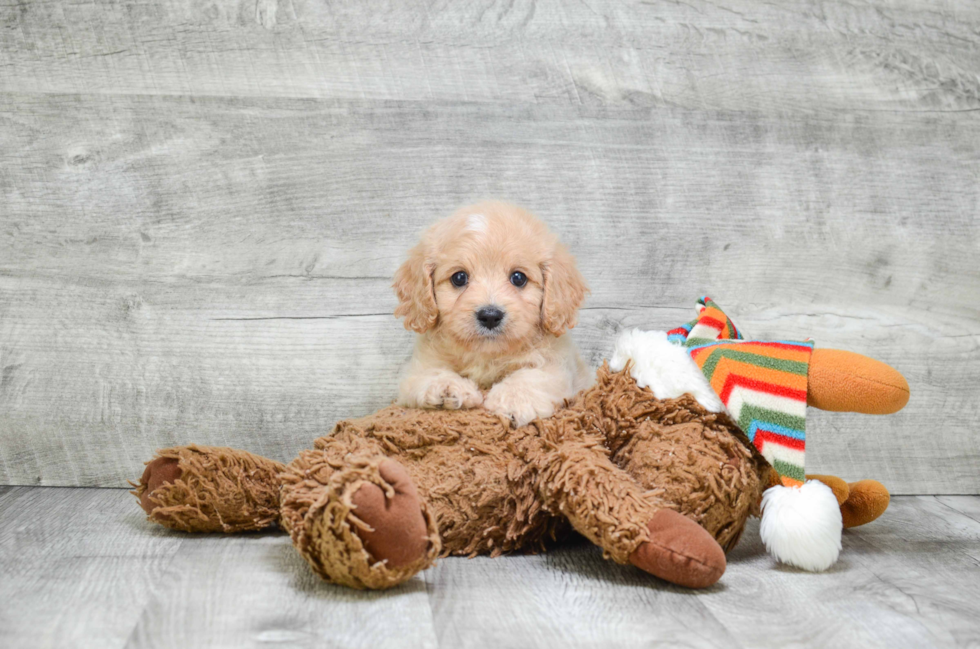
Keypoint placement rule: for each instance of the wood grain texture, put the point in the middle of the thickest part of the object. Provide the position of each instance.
(736, 54)
(82, 568)
(255, 590)
(201, 205)
(77, 567)
(570, 597)
(901, 581)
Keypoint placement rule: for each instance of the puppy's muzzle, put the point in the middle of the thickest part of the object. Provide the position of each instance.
(490, 317)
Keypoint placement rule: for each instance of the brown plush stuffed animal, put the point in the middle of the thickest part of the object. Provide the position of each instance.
(662, 483)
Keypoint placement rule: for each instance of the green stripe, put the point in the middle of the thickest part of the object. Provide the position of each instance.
(691, 342)
(750, 413)
(789, 470)
(759, 360)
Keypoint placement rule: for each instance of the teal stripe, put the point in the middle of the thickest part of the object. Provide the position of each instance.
(699, 341)
(751, 413)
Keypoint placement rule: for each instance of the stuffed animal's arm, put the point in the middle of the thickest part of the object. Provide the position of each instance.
(604, 504)
(843, 381)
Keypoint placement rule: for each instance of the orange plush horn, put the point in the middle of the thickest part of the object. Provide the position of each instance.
(843, 381)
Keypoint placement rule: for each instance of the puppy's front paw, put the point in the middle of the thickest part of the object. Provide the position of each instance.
(451, 393)
(516, 402)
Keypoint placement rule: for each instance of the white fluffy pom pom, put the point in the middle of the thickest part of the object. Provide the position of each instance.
(801, 526)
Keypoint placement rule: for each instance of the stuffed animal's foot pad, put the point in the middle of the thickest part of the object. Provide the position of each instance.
(860, 502)
(160, 471)
(866, 501)
(398, 533)
(680, 551)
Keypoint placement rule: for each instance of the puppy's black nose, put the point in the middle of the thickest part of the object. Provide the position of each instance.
(490, 316)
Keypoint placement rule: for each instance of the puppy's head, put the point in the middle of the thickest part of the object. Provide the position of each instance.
(492, 277)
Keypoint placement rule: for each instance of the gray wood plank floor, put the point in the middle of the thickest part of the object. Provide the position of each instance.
(82, 568)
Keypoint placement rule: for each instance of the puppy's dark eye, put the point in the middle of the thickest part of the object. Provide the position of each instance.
(518, 279)
(459, 279)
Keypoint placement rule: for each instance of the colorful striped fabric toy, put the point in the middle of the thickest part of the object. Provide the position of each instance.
(762, 384)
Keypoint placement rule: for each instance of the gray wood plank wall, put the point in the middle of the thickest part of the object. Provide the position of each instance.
(202, 204)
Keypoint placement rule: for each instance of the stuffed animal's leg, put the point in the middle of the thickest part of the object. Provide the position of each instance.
(843, 381)
(358, 520)
(612, 510)
(860, 502)
(210, 489)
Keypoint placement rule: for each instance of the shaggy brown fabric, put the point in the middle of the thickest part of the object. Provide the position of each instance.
(320, 516)
(218, 489)
(575, 477)
(479, 494)
(493, 489)
(607, 462)
(612, 462)
(695, 462)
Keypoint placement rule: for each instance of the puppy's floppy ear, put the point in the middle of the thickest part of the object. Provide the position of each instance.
(416, 293)
(564, 290)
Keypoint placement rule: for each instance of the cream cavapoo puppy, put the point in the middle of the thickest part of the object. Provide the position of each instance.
(491, 292)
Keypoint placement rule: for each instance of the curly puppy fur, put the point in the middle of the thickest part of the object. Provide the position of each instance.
(491, 258)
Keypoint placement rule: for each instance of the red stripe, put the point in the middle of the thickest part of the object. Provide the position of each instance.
(713, 323)
(679, 330)
(769, 436)
(697, 351)
(741, 380)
